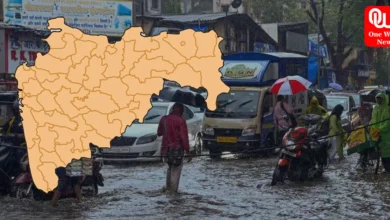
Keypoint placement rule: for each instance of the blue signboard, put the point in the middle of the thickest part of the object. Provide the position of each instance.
(313, 50)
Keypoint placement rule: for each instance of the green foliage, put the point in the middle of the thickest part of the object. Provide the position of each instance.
(201, 6)
(266, 11)
(381, 66)
(172, 7)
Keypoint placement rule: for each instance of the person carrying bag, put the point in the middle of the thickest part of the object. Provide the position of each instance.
(175, 142)
(291, 117)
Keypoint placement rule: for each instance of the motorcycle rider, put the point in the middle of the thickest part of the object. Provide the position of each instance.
(381, 113)
(14, 125)
(282, 111)
(316, 108)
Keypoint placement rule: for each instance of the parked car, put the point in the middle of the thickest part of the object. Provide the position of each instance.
(350, 118)
(357, 98)
(140, 139)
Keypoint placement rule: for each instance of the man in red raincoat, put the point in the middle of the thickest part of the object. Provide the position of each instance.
(174, 130)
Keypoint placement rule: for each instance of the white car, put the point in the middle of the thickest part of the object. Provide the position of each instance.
(140, 139)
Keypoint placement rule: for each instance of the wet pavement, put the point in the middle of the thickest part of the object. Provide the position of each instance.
(223, 189)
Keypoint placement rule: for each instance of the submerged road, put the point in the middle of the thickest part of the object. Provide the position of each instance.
(230, 188)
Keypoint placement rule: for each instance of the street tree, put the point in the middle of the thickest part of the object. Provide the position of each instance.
(201, 6)
(172, 7)
(343, 19)
(265, 11)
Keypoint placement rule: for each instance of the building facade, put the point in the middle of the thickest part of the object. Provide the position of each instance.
(239, 31)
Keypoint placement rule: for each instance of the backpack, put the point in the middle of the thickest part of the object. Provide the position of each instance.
(175, 154)
(324, 128)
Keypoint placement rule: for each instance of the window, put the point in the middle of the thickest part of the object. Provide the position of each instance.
(187, 114)
(236, 104)
(333, 101)
(154, 115)
(155, 4)
(267, 103)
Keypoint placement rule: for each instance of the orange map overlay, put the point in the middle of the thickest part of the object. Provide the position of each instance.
(86, 90)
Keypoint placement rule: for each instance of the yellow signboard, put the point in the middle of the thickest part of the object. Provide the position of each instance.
(375, 134)
(357, 137)
(240, 71)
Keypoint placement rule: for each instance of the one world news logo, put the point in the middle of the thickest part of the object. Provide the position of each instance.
(377, 26)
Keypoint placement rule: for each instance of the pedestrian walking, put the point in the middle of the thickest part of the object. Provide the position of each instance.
(173, 129)
(336, 132)
(381, 114)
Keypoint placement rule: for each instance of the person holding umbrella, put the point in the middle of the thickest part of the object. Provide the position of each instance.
(290, 85)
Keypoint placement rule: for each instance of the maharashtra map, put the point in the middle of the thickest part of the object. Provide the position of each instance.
(86, 90)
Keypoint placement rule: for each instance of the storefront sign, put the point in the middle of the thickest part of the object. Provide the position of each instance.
(24, 48)
(363, 73)
(239, 70)
(91, 16)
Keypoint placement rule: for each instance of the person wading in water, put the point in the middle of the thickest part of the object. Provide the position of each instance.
(173, 129)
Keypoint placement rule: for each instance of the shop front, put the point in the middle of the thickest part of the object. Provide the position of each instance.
(22, 47)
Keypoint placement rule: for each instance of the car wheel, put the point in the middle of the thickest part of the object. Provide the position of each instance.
(198, 145)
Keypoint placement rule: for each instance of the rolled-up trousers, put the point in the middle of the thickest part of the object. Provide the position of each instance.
(173, 177)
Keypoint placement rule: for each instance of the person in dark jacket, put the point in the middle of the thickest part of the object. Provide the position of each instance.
(14, 124)
(174, 132)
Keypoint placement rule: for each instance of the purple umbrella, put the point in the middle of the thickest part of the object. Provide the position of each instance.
(335, 86)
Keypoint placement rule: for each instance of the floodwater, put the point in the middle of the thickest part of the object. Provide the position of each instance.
(222, 189)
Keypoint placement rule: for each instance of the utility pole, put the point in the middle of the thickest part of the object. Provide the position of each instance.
(318, 51)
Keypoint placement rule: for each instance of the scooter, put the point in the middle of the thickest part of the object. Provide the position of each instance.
(24, 187)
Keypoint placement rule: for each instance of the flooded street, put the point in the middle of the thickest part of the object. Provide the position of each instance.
(224, 189)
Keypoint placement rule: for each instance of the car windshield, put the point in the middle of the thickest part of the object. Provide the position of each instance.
(236, 104)
(356, 99)
(333, 101)
(154, 115)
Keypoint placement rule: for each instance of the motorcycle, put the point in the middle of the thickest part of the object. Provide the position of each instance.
(303, 157)
(10, 155)
(24, 187)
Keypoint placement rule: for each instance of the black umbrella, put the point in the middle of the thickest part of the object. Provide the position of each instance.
(183, 96)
